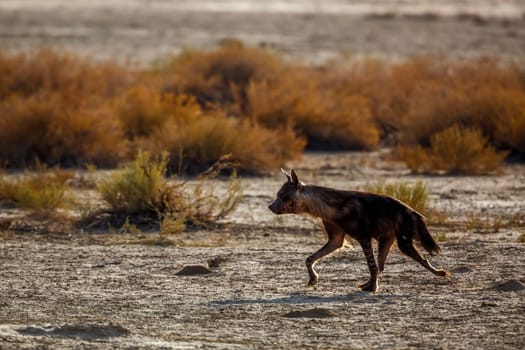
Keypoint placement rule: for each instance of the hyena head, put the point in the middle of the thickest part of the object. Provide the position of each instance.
(288, 196)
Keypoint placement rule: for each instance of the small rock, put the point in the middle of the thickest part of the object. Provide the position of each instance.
(194, 270)
(512, 285)
(312, 313)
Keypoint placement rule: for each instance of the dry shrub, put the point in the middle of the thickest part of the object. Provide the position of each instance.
(46, 70)
(455, 150)
(220, 77)
(141, 194)
(479, 94)
(415, 99)
(51, 129)
(436, 107)
(509, 112)
(387, 87)
(196, 139)
(57, 108)
(198, 143)
(254, 84)
(144, 109)
(326, 118)
(197, 204)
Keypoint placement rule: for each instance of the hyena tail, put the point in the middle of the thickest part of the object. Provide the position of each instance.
(425, 238)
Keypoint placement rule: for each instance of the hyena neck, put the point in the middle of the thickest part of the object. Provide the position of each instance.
(312, 200)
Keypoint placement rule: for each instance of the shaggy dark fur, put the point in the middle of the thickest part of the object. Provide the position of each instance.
(361, 215)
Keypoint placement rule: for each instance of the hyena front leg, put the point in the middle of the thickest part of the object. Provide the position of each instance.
(336, 237)
(370, 285)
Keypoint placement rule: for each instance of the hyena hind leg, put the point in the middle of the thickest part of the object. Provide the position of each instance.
(383, 247)
(408, 249)
(371, 285)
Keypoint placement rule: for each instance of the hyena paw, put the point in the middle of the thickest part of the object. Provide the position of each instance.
(313, 281)
(443, 273)
(369, 286)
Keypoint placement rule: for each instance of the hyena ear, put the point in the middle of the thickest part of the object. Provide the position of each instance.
(295, 179)
(287, 175)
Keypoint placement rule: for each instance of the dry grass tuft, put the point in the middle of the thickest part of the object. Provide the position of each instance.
(415, 196)
(40, 192)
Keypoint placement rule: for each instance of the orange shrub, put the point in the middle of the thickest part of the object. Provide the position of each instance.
(45, 127)
(67, 110)
(482, 102)
(46, 70)
(415, 99)
(387, 87)
(511, 131)
(455, 150)
(196, 144)
(255, 84)
(143, 109)
(327, 119)
(220, 77)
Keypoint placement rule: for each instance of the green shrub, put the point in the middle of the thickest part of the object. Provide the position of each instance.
(137, 188)
(140, 193)
(43, 191)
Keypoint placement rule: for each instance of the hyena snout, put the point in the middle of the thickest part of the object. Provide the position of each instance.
(276, 206)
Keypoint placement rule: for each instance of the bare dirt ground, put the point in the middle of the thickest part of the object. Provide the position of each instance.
(106, 291)
(144, 31)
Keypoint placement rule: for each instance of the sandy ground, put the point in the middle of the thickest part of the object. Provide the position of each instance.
(143, 31)
(103, 291)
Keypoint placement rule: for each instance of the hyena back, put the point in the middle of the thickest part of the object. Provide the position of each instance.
(361, 215)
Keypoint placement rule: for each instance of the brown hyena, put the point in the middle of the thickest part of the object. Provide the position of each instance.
(362, 216)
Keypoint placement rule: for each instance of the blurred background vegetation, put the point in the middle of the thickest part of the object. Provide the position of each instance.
(437, 114)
